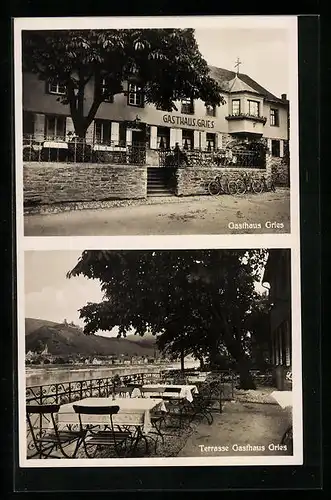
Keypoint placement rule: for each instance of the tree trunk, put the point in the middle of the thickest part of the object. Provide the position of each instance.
(182, 356)
(202, 363)
(80, 127)
(246, 379)
(234, 347)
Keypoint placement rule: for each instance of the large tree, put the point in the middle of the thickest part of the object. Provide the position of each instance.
(198, 299)
(166, 63)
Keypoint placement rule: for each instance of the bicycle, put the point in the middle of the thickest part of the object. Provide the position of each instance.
(244, 185)
(268, 184)
(216, 187)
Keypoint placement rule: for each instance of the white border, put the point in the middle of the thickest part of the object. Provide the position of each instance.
(291, 240)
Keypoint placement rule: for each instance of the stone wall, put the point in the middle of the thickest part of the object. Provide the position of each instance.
(194, 181)
(49, 183)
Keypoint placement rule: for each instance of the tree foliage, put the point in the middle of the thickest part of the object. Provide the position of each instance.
(200, 301)
(166, 63)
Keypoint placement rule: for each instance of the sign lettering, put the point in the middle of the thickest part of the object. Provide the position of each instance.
(187, 121)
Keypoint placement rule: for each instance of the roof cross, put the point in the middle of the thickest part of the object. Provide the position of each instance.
(238, 62)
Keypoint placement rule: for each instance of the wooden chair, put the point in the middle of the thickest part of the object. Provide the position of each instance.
(114, 440)
(49, 439)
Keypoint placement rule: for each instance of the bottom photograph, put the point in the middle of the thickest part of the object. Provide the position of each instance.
(142, 354)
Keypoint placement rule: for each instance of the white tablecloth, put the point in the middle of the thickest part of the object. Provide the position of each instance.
(283, 398)
(186, 391)
(133, 411)
(55, 144)
(193, 379)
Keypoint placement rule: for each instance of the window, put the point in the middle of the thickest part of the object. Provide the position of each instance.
(187, 106)
(253, 108)
(55, 87)
(274, 117)
(187, 139)
(210, 141)
(275, 148)
(236, 106)
(55, 127)
(104, 90)
(210, 110)
(135, 95)
(163, 138)
(102, 131)
(28, 123)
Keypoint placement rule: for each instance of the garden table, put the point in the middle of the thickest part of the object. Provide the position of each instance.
(55, 144)
(134, 412)
(186, 391)
(283, 398)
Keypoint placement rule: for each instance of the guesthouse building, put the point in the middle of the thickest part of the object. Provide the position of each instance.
(125, 124)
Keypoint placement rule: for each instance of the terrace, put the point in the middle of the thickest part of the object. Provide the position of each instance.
(162, 414)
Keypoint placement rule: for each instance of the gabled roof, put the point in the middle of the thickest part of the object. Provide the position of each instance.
(230, 82)
(237, 85)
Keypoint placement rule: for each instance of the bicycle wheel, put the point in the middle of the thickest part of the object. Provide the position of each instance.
(232, 187)
(241, 187)
(257, 186)
(214, 188)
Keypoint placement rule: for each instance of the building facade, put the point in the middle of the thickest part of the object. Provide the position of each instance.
(134, 139)
(249, 112)
(278, 275)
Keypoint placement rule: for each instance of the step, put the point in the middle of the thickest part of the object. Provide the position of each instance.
(164, 194)
(159, 191)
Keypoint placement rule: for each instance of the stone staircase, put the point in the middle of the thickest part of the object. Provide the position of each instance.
(159, 181)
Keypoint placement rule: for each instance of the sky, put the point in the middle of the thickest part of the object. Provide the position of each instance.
(264, 54)
(50, 295)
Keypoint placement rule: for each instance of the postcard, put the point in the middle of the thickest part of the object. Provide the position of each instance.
(158, 243)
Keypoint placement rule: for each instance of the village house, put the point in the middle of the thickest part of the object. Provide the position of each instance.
(126, 130)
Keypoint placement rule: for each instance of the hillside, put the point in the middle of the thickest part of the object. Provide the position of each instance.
(63, 339)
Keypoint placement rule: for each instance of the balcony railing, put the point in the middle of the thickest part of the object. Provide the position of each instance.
(56, 149)
(213, 158)
(247, 116)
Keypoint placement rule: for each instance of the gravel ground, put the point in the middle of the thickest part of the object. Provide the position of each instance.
(225, 214)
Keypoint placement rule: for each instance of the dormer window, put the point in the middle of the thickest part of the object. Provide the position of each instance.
(105, 91)
(187, 106)
(210, 110)
(135, 95)
(54, 87)
(253, 108)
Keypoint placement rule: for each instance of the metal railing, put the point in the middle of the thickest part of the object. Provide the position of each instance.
(59, 149)
(211, 158)
(68, 392)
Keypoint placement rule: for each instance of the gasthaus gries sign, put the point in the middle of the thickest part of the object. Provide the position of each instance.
(186, 121)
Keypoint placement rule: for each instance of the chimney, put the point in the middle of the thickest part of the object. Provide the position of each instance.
(284, 97)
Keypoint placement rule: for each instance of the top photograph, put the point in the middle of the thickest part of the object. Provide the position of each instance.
(155, 131)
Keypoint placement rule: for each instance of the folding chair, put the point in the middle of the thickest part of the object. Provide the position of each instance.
(114, 440)
(152, 392)
(175, 404)
(50, 438)
(124, 391)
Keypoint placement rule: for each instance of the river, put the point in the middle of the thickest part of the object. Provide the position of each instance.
(44, 375)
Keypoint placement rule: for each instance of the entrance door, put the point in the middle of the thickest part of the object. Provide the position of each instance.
(138, 136)
(138, 148)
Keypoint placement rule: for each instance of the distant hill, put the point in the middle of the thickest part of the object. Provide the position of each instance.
(63, 339)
